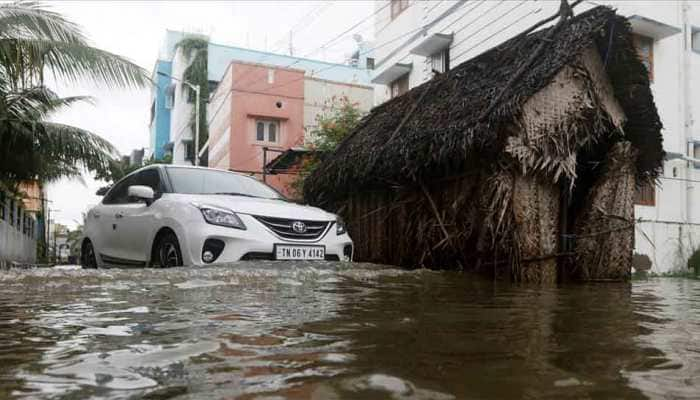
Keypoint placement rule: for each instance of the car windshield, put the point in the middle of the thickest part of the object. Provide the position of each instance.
(208, 181)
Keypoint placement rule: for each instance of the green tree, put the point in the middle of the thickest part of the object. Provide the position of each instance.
(195, 50)
(117, 168)
(34, 41)
(339, 118)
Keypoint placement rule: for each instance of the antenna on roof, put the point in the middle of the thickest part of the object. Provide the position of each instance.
(565, 11)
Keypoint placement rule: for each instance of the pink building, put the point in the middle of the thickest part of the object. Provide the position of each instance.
(258, 106)
(255, 106)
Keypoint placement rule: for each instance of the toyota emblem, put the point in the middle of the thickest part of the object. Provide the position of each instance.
(299, 227)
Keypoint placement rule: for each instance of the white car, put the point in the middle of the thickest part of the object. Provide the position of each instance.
(168, 216)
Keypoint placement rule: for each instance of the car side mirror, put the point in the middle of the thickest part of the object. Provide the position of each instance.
(141, 192)
(103, 190)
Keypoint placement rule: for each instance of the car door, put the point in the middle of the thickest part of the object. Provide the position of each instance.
(102, 217)
(135, 220)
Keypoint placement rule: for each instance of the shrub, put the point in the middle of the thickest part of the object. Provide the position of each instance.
(694, 262)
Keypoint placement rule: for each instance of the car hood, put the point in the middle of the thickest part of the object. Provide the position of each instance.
(258, 206)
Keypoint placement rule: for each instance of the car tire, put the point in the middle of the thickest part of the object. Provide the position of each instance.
(88, 259)
(168, 252)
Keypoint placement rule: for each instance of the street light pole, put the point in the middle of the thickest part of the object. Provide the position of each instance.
(196, 89)
(196, 125)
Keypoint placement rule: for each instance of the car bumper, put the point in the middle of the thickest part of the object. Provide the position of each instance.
(255, 242)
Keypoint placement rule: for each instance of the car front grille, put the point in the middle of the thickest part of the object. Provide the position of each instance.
(283, 227)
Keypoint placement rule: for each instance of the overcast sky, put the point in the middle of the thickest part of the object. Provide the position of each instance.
(135, 29)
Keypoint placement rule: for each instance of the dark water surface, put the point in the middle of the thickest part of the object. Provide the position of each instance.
(332, 331)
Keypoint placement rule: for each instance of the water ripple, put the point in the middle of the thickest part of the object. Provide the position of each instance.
(296, 330)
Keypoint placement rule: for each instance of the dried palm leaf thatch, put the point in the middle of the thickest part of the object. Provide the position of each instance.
(444, 134)
(426, 180)
(604, 239)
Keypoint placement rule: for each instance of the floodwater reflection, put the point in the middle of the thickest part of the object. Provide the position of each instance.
(331, 330)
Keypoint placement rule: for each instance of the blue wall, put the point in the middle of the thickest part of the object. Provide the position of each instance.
(161, 126)
(221, 56)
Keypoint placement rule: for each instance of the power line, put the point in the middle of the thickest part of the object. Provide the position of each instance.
(299, 25)
(468, 24)
(328, 43)
(489, 24)
(337, 37)
(387, 43)
(437, 3)
(463, 15)
(317, 10)
(499, 31)
(337, 65)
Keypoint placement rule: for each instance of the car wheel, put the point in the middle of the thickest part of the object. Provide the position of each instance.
(88, 259)
(168, 251)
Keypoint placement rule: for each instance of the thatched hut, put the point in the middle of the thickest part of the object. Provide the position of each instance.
(513, 164)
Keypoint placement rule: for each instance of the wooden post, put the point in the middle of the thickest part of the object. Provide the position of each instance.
(264, 166)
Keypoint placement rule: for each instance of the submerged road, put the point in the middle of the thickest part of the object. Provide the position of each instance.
(330, 331)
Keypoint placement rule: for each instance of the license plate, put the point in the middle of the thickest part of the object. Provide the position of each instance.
(294, 252)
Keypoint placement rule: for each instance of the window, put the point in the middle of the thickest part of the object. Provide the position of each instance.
(119, 194)
(267, 131)
(170, 96)
(272, 134)
(150, 178)
(208, 181)
(189, 150)
(260, 131)
(370, 63)
(645, 50)
(399, 86)
(397, 7)
(440, 62)
(645, 195)
(169, 100)
(270, 76)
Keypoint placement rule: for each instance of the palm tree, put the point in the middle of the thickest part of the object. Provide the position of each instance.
(34, 41)
(195, 50)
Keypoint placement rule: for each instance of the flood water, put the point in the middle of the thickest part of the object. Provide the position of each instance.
(334, 331)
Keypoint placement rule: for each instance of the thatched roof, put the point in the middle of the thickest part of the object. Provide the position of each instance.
(445, 132)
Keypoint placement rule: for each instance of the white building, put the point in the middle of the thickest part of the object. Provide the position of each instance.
(415, 38)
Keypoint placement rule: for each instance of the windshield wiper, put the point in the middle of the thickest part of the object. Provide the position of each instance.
(236, 194)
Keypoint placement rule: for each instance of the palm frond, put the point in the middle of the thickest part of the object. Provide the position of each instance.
(192, 44)
(30, 19)
(37, 149)
(37, 103)
(69, 61)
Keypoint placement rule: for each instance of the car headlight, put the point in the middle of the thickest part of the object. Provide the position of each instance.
(340, 226)
(221, 217)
